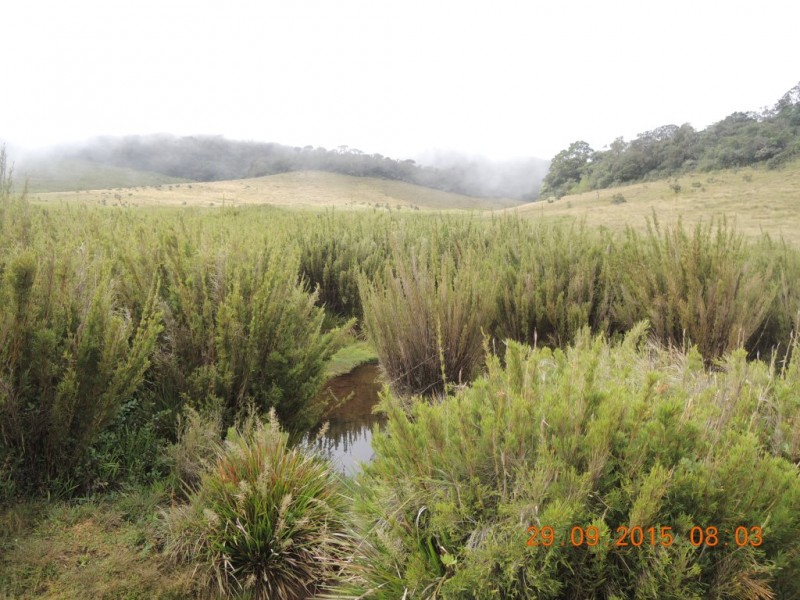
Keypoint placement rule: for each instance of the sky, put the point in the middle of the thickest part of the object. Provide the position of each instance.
(495, 78)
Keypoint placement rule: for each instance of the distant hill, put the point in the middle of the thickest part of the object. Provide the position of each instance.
(770, 137)
(63, 174)
(295, 189)
(755, 199)
(214, 158)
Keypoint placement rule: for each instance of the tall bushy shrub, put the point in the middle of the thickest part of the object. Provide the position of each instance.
(425, 319)
(240, 329)
(594, 436)
(704, 288)
(553, 282)
(70, 356)
(335, 250)
(783, 318)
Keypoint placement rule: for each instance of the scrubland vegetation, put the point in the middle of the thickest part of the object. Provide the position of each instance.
(540, 375)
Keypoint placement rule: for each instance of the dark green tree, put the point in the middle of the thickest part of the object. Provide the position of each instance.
(566, 169)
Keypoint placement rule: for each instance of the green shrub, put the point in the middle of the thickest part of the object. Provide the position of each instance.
(783, 318)
(553, 282)
(335, 251)
(706, 288)
(594, 436)
(240, 328)
(425, 319)
(70, 357)
(267, 520)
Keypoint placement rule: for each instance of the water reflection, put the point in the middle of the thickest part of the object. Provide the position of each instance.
(348, 439)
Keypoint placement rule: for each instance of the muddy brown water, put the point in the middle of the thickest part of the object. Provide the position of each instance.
(348, 441)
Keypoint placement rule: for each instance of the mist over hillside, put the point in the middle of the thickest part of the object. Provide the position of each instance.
(510, 178)
(215, 158)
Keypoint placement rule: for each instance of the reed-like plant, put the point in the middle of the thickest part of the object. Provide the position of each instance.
(266, 520)
(335, 250)
(240, 328)
(553, 282)
(425, 319)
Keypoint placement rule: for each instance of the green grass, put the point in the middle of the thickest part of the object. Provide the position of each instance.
(228, 285)
(104, 548)
(351, 356)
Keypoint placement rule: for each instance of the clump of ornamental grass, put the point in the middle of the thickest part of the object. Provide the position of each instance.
(521, 485)
(199, 442)
(266, 520)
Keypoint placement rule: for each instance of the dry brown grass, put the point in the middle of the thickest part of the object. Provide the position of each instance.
(301, 188)
(754, 200)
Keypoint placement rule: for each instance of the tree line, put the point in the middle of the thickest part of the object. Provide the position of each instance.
(770, 137)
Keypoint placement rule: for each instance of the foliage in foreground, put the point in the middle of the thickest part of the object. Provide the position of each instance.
(70, 358)
(230, 292)
(267, 519)
(594, 436)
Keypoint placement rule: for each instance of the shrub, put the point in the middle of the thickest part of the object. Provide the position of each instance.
(553, 282)
(333, 254)
(240, 328)
(618, 199)
(425, 319)
(267, 520)
(706, 288)
(70, 357)
(594, 437)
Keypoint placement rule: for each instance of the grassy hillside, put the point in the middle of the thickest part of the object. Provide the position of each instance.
(754, 199)
(304, 188)
(77, 174)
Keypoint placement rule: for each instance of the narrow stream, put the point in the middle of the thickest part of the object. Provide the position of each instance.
(349, 436)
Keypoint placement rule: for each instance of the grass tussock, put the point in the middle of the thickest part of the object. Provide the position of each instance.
(267, 520)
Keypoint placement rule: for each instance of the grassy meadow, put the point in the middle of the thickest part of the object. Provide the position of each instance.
(756, 200)
(308, 189)
(549, 368)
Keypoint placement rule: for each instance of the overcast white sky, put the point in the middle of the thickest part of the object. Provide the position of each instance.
(499, 78)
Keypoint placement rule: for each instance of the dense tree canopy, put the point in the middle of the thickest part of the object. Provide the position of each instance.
(567, 169)
(771, 136)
